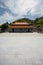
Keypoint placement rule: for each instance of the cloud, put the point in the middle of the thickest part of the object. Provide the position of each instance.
(21, 6)
(5, 18)
(15, 9)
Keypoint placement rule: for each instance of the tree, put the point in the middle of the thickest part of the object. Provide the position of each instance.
(38, 22)
(4, 27)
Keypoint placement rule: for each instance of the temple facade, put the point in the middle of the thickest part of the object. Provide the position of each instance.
(20, 27)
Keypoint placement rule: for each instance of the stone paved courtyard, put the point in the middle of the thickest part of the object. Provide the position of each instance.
(21, 49)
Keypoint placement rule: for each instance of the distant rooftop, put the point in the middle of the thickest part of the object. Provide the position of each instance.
(20, 23)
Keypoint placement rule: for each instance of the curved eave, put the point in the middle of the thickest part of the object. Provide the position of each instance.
(20, 26)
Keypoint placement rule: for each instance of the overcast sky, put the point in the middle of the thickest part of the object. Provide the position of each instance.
(11, 10)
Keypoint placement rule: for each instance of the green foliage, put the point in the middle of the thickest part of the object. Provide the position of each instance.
(38, 22)
(4, 26)
(0, 26)
(23, 20)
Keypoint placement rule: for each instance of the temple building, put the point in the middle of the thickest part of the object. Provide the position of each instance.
(20, 27)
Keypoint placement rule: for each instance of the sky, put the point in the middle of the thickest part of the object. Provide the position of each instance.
(11, 10)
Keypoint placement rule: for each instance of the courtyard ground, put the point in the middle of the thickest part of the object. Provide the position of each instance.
(21, 49)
